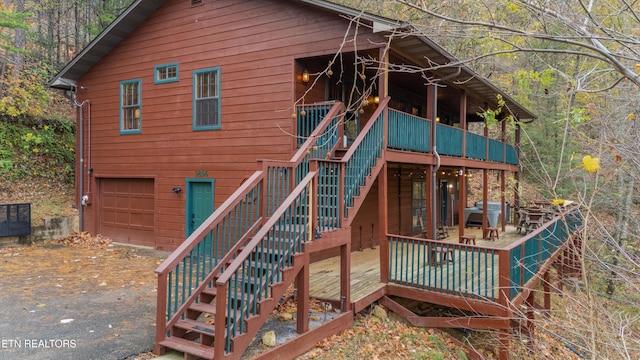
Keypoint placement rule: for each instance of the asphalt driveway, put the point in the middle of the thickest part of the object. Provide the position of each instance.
(70, 302)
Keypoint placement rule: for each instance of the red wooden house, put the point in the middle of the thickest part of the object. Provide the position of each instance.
(254, 138)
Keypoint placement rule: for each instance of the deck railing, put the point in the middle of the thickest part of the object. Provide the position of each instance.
(475, 271)
(496, 151)
(363, 154)
(476, 146)
(456, 269)
(529, 254)
(449, 140)
(329, 195)
(512, 155)
(408, 132)
(309, 117)
(323, 139)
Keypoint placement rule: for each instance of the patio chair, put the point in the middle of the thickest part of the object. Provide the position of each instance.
(443, 233)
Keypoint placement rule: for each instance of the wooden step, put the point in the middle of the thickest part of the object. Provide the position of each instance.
(188, 347)
(202, 308)
(197, 326)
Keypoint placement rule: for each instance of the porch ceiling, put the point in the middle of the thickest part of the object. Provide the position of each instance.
(429, 54)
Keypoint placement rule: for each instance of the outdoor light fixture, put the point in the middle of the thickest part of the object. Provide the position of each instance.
(176, 190)
(305, 76)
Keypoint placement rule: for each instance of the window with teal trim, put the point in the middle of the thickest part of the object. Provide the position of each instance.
(206, 99)
(131, 106)
(165, 73)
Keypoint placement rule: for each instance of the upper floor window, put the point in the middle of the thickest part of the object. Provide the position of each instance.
(165, 73)
(130, 106)
(206, 99)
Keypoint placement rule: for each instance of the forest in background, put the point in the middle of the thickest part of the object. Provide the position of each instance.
(576, 65)
(573, 63)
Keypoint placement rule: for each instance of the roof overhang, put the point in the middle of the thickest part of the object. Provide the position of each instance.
(111, 36)
(429, 55)
(412, 45)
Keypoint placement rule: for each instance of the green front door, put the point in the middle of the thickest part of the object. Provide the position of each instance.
(199, 207)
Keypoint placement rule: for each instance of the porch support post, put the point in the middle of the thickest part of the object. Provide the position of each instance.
(463, 121)
(485, 182)
(462, 203)
(345, 277)
(432, 98)
(485, 196)
(503, 186)
(302, 296)
(516, 195)
(428, 197)
(503, 213)
(462, 192)
(383, 221)
(383, 81)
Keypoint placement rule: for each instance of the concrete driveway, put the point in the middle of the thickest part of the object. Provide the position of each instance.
(68, 302)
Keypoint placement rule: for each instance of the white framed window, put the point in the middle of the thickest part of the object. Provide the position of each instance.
(165, 73)
(131, 106)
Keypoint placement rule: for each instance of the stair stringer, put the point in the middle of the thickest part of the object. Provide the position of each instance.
(364, 190)
(241, 342)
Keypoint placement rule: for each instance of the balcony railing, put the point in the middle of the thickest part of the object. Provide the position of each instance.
(408, 132)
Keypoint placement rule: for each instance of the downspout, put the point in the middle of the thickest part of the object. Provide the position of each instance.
(83, 198)
(434, 173)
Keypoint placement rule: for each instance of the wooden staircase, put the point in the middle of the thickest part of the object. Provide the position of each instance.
(194, 334)
(218, 296)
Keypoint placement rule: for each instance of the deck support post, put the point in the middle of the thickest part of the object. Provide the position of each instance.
(546, 286)
(302, 296)
(345, 277)
(383, 229)
(531, 316)
(560, 270)
(505, 339)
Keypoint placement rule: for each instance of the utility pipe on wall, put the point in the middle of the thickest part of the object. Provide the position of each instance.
(434, 202)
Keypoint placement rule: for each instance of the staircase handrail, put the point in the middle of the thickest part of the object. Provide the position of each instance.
(363, 133)
(337, 109)
(214, 219)
(268, 225)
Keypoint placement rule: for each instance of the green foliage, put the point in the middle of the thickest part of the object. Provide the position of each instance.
(44, 150)
(25, 95)
(11, 20)
(491, 116)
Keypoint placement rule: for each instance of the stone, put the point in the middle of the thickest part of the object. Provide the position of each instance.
(269, 338)
(380, 313)
(286, 316)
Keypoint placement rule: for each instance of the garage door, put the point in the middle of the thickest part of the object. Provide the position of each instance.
(126, 210)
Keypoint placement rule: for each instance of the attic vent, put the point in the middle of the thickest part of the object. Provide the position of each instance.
(196, 2)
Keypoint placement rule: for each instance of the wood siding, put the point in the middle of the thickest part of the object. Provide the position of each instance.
(255, 44)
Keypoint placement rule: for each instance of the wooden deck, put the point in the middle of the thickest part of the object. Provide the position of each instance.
(454, 276)
(324, 282)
